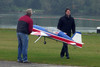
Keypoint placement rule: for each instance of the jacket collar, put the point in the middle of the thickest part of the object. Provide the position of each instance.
(27, 15)
(67, 16)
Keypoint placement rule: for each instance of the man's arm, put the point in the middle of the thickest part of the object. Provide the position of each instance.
(30, 26)
(59, 24)
(73, 27)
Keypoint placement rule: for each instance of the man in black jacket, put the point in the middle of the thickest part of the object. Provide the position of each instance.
(66, 24)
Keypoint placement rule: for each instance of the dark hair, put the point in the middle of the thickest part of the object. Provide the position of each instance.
(67, 9)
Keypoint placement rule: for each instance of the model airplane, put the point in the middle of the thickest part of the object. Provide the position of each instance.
(75, 40)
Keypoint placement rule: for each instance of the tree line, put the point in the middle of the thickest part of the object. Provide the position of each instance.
(78, 7)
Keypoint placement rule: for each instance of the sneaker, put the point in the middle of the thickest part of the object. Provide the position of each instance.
(26, 62)
(20, 61)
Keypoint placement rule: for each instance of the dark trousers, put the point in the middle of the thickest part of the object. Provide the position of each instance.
(64, 50)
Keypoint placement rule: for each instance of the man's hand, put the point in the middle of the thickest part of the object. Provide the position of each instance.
(65, 33)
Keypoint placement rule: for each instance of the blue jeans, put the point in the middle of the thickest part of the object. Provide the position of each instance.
(22, 46)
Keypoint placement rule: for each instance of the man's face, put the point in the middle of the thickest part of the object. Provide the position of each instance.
(68, 12)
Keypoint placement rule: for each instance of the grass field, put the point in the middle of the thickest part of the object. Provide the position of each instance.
(89, 55)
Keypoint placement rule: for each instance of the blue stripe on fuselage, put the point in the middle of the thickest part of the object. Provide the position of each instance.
(61, 34)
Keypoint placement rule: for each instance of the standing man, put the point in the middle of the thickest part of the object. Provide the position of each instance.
(66, 24)
(24, 28)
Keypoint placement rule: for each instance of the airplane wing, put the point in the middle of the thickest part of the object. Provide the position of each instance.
(39, 33)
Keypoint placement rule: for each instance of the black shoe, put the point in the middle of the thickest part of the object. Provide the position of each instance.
(67, 58)
(62, 56)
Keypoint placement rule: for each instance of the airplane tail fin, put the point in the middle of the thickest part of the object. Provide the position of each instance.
(77, 37)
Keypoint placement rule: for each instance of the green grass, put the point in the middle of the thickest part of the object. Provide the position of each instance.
(89, 55)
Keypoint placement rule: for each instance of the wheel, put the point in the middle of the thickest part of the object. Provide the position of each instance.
(44, 42)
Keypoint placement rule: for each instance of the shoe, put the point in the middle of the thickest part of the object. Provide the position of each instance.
(67, 58)
(20, 61)
(62, 56)
(26, 62)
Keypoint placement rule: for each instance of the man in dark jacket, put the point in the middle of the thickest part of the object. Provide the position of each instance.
(66, 24)
(24, 28)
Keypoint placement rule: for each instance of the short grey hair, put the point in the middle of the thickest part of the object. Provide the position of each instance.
(29, 11)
